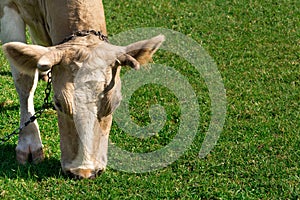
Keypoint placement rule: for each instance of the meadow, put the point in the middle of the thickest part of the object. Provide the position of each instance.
(256, 47)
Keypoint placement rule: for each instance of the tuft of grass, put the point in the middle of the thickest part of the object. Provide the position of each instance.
(256, 47)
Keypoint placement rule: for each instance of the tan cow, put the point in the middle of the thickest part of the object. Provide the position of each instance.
(85, 76)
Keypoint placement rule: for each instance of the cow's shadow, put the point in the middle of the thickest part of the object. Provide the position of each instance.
(10, 168)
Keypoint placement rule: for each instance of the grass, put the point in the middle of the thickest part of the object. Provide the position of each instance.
(256, 47)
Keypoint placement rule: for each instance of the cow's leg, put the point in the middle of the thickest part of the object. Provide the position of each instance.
(29, 144)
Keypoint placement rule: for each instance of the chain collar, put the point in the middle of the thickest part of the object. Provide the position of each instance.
(85, 33)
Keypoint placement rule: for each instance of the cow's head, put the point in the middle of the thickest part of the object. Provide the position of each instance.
(87, 89)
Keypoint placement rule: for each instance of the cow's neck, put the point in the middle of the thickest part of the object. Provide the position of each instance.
(50, 21)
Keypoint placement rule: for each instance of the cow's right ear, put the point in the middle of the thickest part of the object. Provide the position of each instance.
(23, 56)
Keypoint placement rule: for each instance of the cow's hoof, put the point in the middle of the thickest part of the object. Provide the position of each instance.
(37, 156)
(34, 157)
(22, 157)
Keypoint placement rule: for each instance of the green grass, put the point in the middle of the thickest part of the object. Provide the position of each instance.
(256, 47)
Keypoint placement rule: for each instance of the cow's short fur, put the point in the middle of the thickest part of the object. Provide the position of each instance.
(85, 72)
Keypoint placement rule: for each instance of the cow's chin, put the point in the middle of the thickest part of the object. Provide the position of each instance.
(83, 154)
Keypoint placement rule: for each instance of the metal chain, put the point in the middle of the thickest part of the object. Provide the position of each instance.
(85, 33)
(36, 115)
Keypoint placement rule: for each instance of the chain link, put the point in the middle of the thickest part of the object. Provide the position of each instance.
(36, 115)
(85, 33)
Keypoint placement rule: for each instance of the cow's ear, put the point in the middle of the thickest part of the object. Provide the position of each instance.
(23, 56)
(49, 59)
(141, 52)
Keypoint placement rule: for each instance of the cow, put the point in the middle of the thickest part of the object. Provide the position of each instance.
(85, 70)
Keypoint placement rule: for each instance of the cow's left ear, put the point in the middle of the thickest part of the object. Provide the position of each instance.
(23, 56)
(141, 52)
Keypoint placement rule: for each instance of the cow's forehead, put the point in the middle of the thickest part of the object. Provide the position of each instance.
(90, 75)
(89, 52)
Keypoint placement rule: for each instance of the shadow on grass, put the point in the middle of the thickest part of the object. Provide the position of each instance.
(5, 73)
(10, 168)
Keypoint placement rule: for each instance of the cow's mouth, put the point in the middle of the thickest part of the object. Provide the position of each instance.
(83, 173)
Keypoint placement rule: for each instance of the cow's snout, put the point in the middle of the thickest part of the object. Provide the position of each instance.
(83, 173)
